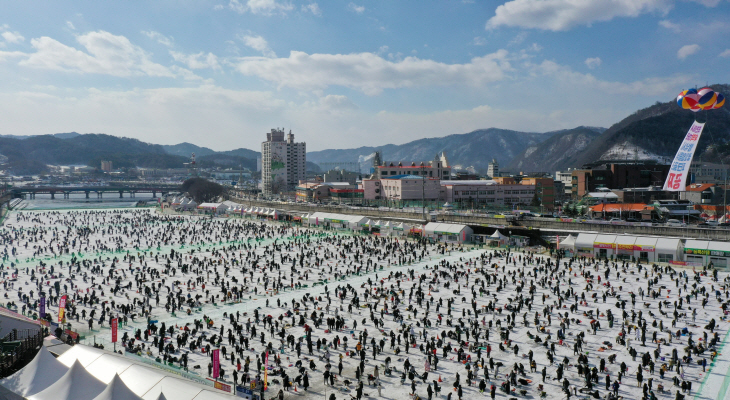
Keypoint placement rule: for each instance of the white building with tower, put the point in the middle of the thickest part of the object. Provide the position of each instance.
(283, 162)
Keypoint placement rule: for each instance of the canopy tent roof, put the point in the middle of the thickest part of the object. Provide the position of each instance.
(585, 240)
(498, 235)
(212, 205)
(625, 239)
(117, 390)
(721, 246)
(401, 226)
(668, 245)
(143, 381)
(432, 227)
(646, 241)
(323, 216)
(605, 239)
(75, 384)
(568, 242)
(38, 375)
(696, 244)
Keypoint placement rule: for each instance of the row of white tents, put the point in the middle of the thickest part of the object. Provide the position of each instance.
(87, 373)
(357, 223)
(183, 203)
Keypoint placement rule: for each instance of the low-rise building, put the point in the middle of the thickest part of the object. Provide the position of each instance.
(341, 176)
(438, 168)
(704, 193)
(485, 193)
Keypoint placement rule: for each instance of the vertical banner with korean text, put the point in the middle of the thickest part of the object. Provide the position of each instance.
(677, 177)
(115, 325)
(216, 363)
(42, 310)
(61, 308)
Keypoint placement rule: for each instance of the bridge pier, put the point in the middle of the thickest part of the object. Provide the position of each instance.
(66, 195)
(121, 194)
(99, 195)
(87, 194)
(154, 194)
(53, 195)
(131, 195)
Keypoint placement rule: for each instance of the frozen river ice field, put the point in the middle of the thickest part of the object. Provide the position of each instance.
(207, 279)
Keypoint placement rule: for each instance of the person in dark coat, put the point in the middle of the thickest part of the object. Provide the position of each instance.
(306, 382)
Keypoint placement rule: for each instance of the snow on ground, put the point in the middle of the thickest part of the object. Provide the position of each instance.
(250, 266)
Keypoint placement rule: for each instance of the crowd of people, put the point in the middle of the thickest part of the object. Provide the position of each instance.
(304, 311)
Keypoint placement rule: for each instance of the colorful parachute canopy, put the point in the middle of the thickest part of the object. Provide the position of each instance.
(703, 99)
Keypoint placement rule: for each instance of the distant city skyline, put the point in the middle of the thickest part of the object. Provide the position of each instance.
(221, 73)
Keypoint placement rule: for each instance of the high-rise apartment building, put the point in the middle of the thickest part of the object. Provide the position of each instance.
(106, 166)
(283, 162)
(493, 169)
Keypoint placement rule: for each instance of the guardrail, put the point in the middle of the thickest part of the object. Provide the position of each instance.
(544, 224)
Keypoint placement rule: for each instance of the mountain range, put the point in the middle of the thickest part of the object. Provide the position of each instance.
(652, 133)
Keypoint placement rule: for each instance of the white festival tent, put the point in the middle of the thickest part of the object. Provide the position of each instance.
(117, 390)
(38, 375)
(497, 235)
(568, 243)
(75, 384)
(96, 374)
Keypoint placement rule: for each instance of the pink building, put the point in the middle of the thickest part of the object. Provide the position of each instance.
(402, 187)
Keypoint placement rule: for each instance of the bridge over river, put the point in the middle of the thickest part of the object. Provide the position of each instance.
(30, 192)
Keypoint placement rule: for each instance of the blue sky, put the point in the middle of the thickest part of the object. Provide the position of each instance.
(344, 74)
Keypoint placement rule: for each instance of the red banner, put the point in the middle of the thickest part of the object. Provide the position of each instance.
(61, 308)
(115, 325)
(216, 363)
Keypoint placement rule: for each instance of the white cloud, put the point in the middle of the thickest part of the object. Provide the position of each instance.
(337, 102)
(688, 50)
(106, 54)
(197, 61)
(6, 55)
(160, 38)
(725, 53)
(560, 15)
(70, 25)
(370, 73)
(518, 39)
(313, 8)
(258, 43)
(355, 8)
(593, 63)
(665, 23)
(645, 87)
(12, 37)
(479, 41)
(707, 3)
(261, 7)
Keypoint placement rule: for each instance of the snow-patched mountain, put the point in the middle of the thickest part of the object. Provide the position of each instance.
(559, 151)
(469, 151)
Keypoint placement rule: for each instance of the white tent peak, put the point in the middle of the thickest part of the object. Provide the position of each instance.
(117, 390)
(75, 384)
(161, 397)
(498, 235)
(39, 374)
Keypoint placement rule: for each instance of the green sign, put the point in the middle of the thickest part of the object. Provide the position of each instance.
(707, 252)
